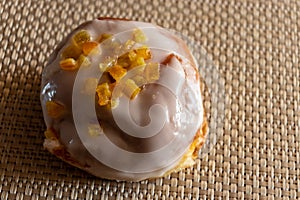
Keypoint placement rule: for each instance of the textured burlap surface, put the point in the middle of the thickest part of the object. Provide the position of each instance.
(254, 44)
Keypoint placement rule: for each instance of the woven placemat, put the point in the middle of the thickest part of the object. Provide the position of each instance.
(256, 47)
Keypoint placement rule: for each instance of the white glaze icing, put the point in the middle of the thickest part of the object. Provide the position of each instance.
(117, 154)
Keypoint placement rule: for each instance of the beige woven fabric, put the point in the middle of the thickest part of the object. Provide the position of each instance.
(255, 45)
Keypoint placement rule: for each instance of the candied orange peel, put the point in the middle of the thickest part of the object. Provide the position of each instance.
(117, 72)
(133, 54)
(68, 64)
(139, 36)
(124, 61)
(76, 54)
(143, 52)
(83, 61)
(135, 57)
(90, 47)
(55, 109)
(81, 37)
(139, 80)
(104, 37)
(103, 93)
(129, 44)
(131, 89)
(71, 51)
(152, 72)
(132, 57)
(139, 61)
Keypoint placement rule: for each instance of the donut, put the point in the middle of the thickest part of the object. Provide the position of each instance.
(121, 100)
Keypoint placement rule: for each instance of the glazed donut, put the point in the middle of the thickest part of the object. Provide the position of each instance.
(121, 100)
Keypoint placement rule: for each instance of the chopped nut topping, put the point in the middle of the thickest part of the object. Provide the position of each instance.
(104, 94)
(117, 72)
(55, 109)
(81, 37)
(68, 64)
(90, 47)
(131, 89)
(139, 36)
